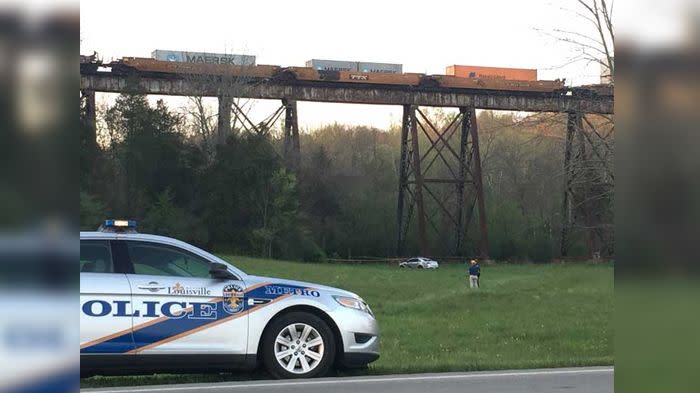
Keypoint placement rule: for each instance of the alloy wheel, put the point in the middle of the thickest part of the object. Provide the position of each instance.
(299, 348)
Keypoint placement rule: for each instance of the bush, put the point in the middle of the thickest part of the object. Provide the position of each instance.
(92, 212)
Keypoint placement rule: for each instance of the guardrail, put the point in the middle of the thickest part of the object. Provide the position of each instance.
(378, 260)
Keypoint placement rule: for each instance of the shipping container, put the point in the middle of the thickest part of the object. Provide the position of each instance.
(332, 65)
(465, 71)
(202, 57)
(340, 65)
(386, 68)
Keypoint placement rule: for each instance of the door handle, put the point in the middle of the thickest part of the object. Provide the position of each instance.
(151, 286)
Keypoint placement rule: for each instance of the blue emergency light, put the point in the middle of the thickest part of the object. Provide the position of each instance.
(118, 226)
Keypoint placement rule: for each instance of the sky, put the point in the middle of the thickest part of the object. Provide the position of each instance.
(423, 36)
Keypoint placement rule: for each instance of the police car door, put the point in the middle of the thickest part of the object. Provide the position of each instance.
(179, 307)
(105, 301)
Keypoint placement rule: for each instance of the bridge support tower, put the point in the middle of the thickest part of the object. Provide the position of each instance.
(440, 182)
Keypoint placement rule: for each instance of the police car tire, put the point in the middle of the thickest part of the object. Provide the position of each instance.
(268, 348)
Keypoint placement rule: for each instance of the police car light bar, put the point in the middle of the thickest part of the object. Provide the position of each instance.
(118, 226)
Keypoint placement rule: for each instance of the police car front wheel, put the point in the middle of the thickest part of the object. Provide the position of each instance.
(298, 345)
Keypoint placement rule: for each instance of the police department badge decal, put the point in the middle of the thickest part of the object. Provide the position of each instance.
(233, 299)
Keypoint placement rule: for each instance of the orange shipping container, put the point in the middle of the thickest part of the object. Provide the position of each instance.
(518, 74)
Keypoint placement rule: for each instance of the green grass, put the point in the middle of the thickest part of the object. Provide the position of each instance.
(524, 316)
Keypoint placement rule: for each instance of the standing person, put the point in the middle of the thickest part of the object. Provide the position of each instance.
(474, 273)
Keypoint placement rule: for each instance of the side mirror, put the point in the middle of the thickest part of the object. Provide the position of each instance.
(219, 271)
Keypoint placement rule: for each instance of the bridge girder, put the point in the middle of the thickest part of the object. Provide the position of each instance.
(355, 94)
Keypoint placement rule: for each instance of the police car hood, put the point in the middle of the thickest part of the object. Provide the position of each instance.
(252, 280)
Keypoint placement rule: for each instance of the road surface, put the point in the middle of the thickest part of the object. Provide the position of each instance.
(569, 380)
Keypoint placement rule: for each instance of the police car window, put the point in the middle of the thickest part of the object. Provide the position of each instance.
(95, 256)
(160, 260)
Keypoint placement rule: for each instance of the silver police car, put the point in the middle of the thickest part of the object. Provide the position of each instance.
(152, 303)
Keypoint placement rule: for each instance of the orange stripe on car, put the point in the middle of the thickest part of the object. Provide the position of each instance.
(207, 326)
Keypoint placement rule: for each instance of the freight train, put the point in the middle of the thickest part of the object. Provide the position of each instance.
(352, 73)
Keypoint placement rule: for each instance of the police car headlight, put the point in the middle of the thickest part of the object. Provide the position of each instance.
(352, 302)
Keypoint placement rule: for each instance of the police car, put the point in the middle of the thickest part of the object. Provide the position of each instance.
(152, 303)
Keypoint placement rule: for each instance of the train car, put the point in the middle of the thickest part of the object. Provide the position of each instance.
(599, 89)
(313, 75)
(467, 71)
(417, 80)
(455, 82)
(173, 67)
(407, 79)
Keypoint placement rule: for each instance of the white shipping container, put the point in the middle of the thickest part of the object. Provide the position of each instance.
(340, 65)
(202, 57)
(386, 68)
(332, 65)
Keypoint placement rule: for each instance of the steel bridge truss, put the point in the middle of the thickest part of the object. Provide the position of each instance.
(440, 181)
(228, 107)
(588, 185)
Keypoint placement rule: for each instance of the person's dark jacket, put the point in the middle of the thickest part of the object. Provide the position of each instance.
(475, 270)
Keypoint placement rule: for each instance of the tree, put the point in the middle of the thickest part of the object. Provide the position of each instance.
(199, 123)
(149, 154)
(165, 218)
(598, 44)
(92, 211)
(600, 15)
(278, 209)
(320, 199)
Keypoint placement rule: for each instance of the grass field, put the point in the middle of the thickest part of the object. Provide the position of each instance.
(524, 316)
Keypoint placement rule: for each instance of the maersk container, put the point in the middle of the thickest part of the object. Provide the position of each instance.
(385, 68)
(202, 57)
(332, 65)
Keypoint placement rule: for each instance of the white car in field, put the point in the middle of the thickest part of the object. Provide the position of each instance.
(419, 263)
